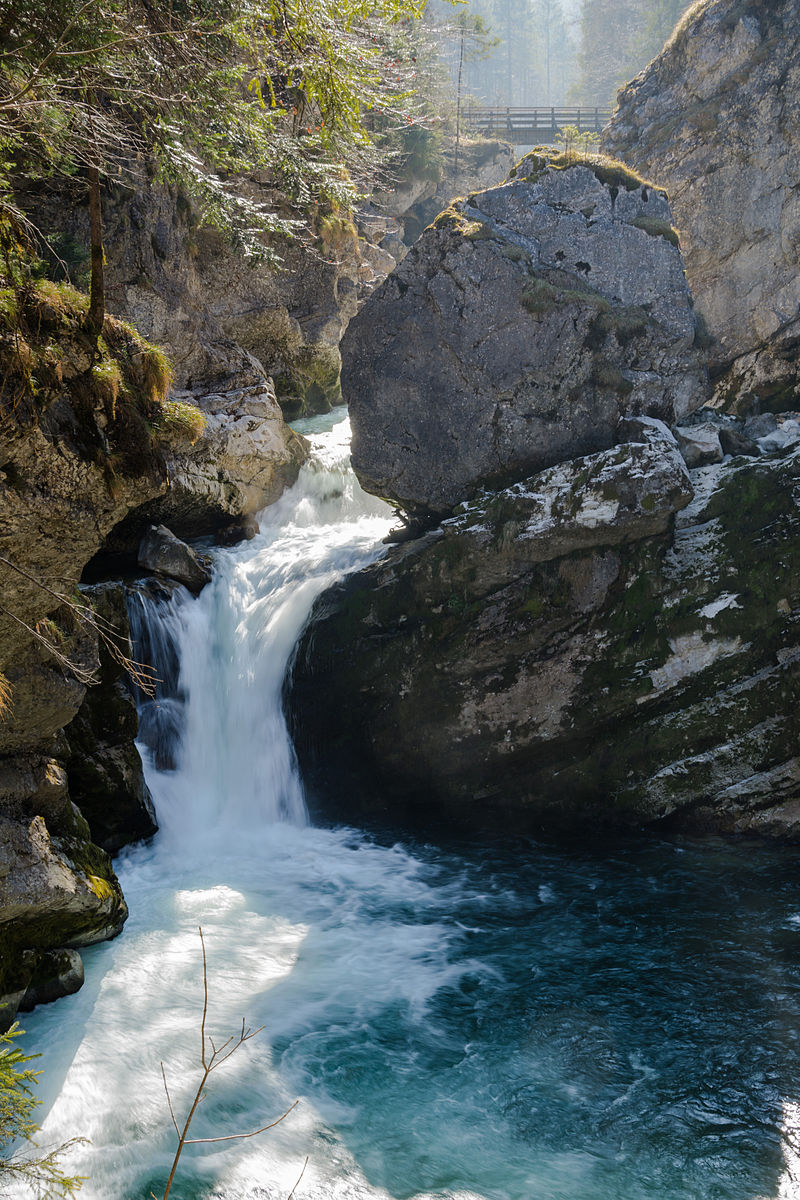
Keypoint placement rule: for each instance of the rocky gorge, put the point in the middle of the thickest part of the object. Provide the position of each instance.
(592, 623)
(91, 463)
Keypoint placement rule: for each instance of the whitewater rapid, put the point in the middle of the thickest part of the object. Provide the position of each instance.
(472, 1022)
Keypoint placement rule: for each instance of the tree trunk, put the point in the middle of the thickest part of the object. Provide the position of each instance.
(458, 103)
(97, 297)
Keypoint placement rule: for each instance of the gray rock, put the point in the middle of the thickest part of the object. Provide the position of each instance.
(104, 767)
(715, 119)
(734, 441)
(760, 426)
(619, 495)
(699, 444)
(162, 552)
(645, 429)
(57, 892)
(785, 434)
(655, 679)
(54, 973)
(515, 334)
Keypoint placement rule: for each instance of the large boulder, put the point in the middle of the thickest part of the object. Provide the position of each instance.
(715, 119)
(517, 331)
(555, 657)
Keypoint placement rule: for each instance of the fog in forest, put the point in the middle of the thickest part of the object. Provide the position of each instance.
(551, 52)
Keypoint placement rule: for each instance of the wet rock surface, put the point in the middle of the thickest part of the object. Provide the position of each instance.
(515, 334)
(103, 765)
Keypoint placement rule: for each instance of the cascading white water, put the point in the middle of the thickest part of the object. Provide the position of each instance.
(234, 855)
(491, 1023)
(236, 771)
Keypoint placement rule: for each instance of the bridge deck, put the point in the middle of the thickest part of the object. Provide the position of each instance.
(527, 126)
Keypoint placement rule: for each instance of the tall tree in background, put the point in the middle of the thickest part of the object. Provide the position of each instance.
(532, 61)
(618, 39)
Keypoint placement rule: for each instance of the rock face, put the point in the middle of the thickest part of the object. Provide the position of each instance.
(516, 332)
(104, 769)
(714, 119)
(185, 287)
(57, 890)
(70, 470)
(556, 657)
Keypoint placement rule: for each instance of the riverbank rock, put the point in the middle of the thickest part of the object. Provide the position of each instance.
(73, 464)
(714, 119)
(517, 331)
(546, 660)
(58, 892)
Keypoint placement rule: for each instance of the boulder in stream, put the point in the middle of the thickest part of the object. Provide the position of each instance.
(162, 552)
(524, 322)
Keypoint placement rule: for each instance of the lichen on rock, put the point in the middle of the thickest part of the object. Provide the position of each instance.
(609, 672)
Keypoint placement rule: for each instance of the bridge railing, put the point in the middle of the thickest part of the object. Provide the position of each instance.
(533, 124)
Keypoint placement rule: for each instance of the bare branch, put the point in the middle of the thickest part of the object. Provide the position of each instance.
(209, 1064)
(205, 1000)
(300, 1176)
(169, 1102)
(143, 676)
(235, 1137)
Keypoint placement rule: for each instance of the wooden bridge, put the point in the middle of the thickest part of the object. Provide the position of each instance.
(532, 126)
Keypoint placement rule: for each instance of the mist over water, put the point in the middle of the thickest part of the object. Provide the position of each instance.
(462, 1021)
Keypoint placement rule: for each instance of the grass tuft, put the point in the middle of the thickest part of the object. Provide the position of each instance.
(177, 421)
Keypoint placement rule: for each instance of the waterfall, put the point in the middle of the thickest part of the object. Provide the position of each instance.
(220, 721)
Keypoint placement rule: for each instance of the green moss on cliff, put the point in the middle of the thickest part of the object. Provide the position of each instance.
(609, 171)
(118, 381)
(656, 228)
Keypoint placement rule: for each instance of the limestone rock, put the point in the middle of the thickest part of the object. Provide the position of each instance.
(516, 333)
(186, 288)
(243, 460)
(622, 683)
(714, 119)
(620, 495)
(166, 554)
(56, 893)
(733, 441)
(54, 973)
(699, 444)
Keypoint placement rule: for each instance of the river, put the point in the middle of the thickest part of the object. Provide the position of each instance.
(459, 1020)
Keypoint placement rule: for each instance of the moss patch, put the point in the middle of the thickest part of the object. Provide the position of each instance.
(609, 171)
(656, 228)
